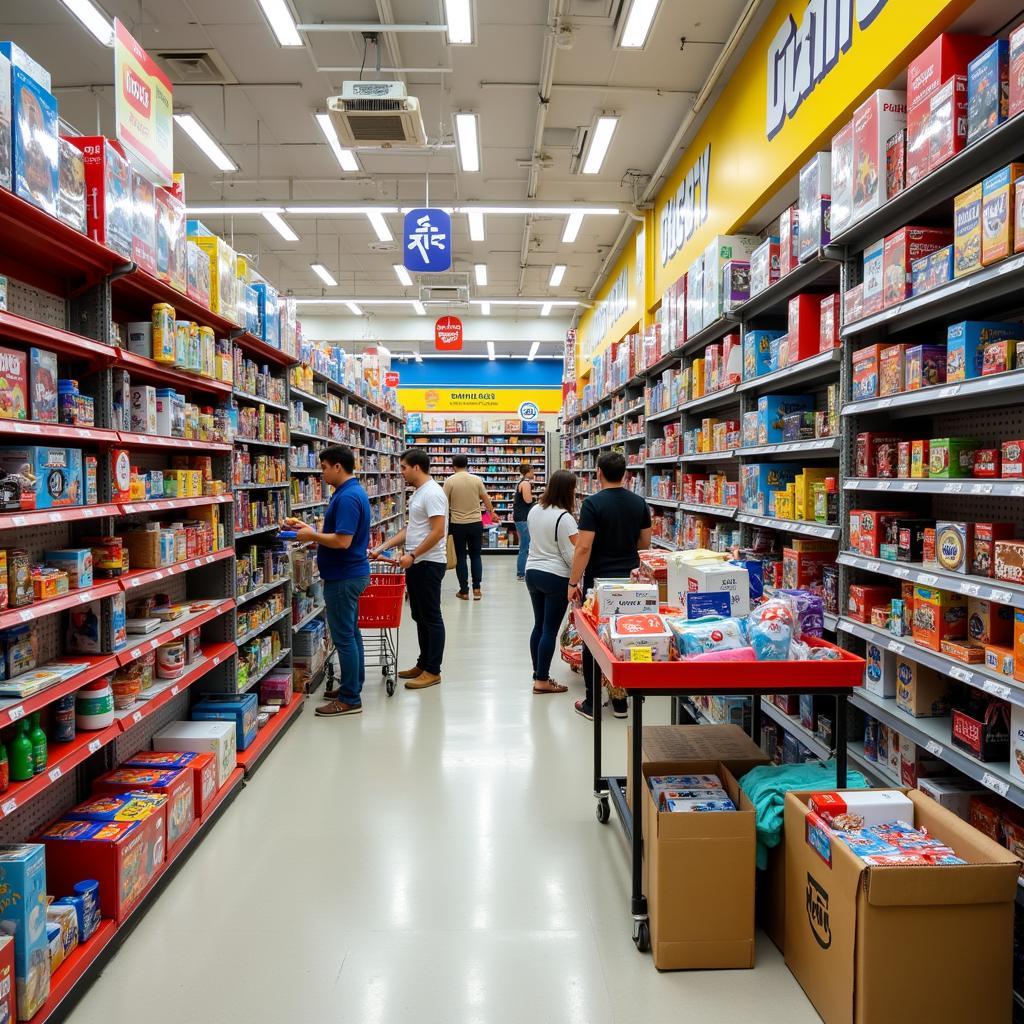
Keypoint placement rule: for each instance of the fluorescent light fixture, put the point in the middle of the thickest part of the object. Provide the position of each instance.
(403, 275)
(419, 358)
(345, 157)
(637, 24)
(380, 225)
(207, 211)
(557, 273)
(354, 308)
(481, 274)
(194, 129)
(468, 137)
(597, 146)
(93, 19)
(533, 351)
(277, 222)
(421, 310)
(485, 308)
(545, 310)
(281, 22)
(490, 351)
(573, 223)
(476, 225)
(459, 15)
(324, 274)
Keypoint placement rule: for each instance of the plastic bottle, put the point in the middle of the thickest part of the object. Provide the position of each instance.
(22, 766)
(94, 706)
(38, 739)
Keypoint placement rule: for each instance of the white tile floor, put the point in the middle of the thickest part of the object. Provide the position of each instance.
(435, 860)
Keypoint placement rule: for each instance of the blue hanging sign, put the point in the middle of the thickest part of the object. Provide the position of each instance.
(427, 241)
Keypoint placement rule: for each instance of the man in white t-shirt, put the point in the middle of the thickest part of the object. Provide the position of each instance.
(424, 561)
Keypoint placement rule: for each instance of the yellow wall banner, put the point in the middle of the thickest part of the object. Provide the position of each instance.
(480, 400)
(806, 70)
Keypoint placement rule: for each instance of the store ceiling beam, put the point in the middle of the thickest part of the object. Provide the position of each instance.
(369, 26)
(590, 87)
(332, 70)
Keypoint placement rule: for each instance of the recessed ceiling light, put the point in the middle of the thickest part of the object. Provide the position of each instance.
(93, 19)
(421, 310)
(490, 351)
(403, 275)
(459, 15)
(545, 310)
(481, 274)
(468, 137)
(277, 222)
(485, 308)
(476, 226)
(380, 225)
(345, 157)
(354, 308)
(557, 273)
(637, 24)
(324, 274)
(600, 139)
(281, 22)
(533, 350)
(194, 129)
(573, 223)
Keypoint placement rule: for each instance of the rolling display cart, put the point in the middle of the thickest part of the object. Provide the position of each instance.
(380, 615)
(679, 678)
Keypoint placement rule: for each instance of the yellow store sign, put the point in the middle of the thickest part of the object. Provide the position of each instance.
(480, 400)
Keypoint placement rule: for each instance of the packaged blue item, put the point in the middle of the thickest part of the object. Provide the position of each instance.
(770, 411)
(268, 319)
(699, 636)
(23, 915)
(700, 605)
(251, 306)
(677, 806)
(760, 480)
(240, 709)
(988, 90)
(757, 353)
(34, 143)
(755, 573)
(770, 639)
(966, 341)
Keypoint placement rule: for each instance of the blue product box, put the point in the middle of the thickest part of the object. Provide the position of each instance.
(940, 267)
(755, 573)
(119, 621)
(414, 423)
(23, 915)
(966, 341)
(20, 59)
(988, 90)
(52, 475)
(530, 427)
(76, 562)
(240, 709)
(268, 319)
(42, 382)
(710, 603)
(251, 307)
(757, 352)
(134, 806)
(919, 275)
(760, 480)
(34, 141)
(771, 409)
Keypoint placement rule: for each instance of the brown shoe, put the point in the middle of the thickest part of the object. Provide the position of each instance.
(335, 708)
(422, 681)
(477, 595)
(461, 596)
(410, 673)
(332, 694)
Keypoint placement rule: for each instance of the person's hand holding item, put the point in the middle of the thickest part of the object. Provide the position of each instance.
(406, 560)
(305, 533)
(291, 523)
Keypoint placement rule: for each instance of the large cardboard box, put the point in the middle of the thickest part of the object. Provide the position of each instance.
(710, 924)
(867, 943)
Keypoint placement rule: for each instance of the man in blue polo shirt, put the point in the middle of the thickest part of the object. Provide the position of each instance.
(345, 570)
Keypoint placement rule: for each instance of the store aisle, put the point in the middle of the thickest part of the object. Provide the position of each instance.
(434, 860)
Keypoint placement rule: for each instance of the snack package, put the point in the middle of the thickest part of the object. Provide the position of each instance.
(699, 636)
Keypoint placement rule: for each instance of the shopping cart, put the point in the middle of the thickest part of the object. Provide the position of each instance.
(380, 616)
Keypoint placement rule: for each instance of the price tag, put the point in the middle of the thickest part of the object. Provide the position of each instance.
(873, 567)
(997, 689)
(953, 488)
(54, 517)
(9, 805)
(1000, 596)
(949, 392)
(896, 647)
(1017, 491)
(18, 711)
(927, 578)
(981, 488)
(934, 748)
(26, 614)
(216, 659)
(54, 774)
(882, 485)
(908, 485)
(137, 717)
(901, 572)
(88, 513)
(136, 653)
(94, 745)
(827, 443)
(996, 785)
(883, 403)
(174, 691)
(963, 674)
(136, 583)
(176, 632)
(969, 588)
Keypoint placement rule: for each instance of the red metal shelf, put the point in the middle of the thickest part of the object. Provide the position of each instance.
(99, 665)
(213, 655)
(20, 328)
(257, 347)
(17, 520)
(158, 441)
(72, 599)
(131, 508)
(149, 369)
(174, 630)
(141, 291)
(140, 577)
(30, 430)
(248, 758)
(70, 973)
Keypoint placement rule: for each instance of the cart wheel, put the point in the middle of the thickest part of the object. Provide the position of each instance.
(389, 687)
(642, 936)
(384, 669)
(603, 811)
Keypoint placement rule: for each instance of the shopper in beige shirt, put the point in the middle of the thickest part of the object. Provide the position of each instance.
(465, 491)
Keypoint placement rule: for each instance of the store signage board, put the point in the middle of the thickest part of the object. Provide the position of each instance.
(448, 334)
(391, 378)
(427, 241)
(510, 401)
(143, 107)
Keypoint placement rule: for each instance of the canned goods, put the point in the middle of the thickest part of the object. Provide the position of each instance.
(170, 660)
(64, 719)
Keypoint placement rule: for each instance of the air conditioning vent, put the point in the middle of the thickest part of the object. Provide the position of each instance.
(195, 67)
(377, 114)
(451, 289)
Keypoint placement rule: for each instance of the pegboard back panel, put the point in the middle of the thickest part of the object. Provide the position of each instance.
(50, 804)
(140, 737)
(36, 304)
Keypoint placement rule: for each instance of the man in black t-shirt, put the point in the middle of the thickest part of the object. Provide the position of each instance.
(614, 525)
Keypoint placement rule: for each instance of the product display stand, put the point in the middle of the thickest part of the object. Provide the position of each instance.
(677, 679)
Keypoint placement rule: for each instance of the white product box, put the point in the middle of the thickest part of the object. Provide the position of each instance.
(627, 633)
(880, 674)
(1017, 743)
(815, 204)
(719, 251)
(695, 297)
(874, 279)
(144, 409)
(710, 578)
(217, 738)
(842, 179)
(856, 809)
(626, 599)
(165, 416)
(677, 585)
(954, 793)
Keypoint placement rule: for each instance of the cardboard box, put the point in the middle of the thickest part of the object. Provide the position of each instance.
(925, 366)
(967, 231)
(997, 213)
(875, 121)
(866, 367)
(988, 622)
(176, 784)
(860, 939)
(953, 793)
(108, 183)
(880, 671)
(921, 691)
(217, 738)
(23, 878)
(966, 342)
(715, 577)
(34, 123)
(710, 925)
(815, 204)
(988, 90)
(804, 335)
(625, 598)
(630, 636)
(873, 285)
(985, 537)
(239, 709)
(842, 179)
(789, 239)
(947, 55)
(938, 615)
(947, 122)
(900, 249)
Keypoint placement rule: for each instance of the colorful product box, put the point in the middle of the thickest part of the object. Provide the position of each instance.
(34, 122)
(71, 184)
(900, 250)
(23, 880)
(986, 535)
(764, 265)
(988, 622)
(966, 342)
(143, 223)
(815, 205)
(171, 259)
(954, 546)
(874, 277)
(988, 90)
(925, 366)
(1009, 561)
(874, 452)
(829, 323)
(921, 691)
(13, 384)
(630, 633)
(1013, 460)
(896, 163)
(6, 180)
(771, 410)
(878, 528)
(950, 458)
(842, 179)
(918, 126)
(892, 365)
(947, 122)
(866, 365)
(983, 731)
(177, 785)
(947, 55)
(879, 671)
(240, 709)
(735, 284)
(49, 477)
(864, 598)
(997, 213)
(108, 182)
(757, 352)
(789, 240)
(875, 121)
(42, 385)
(967, 231)
(1016, 71)
(804, 336)
(760, 482)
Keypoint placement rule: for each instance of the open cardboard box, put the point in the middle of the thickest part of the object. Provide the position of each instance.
(877, 945)
(698, 876)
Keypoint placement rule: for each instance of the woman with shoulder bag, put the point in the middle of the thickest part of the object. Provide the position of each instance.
(552, 528)
(521, 505)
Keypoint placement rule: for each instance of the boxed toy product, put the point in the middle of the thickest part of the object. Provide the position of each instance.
(764, 265)
(70, 185)
(951, 457)
(108, 182)
(874, 123)
(988, 90)
(947, 122)
(789, 240)
(203, 769)
(815, 204)
(921, 691)
(5, 123)
(829, 326)
(48, 477)
(879, 671)
(34, 141)
(892, 365)
(925, 366)
(143, 223)
(720, 251)
(177, 785)
(718, 577)
(771, 409)
(985, 537)
(896, 163)
(967, 231)
(804, 335)
(966, 342)
(997, 213)
(42, 389)
(947, 55)
(639, 638)
(866, 365)
(240, 709)
(759, 483)
(900, 249)
(938, 615)
(13, 384)
(735, 284)
(221, 259)
(213, 737)
(757, 352)
(23, 884)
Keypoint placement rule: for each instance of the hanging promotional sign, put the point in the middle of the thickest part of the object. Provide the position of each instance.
(474, 401)
(448, 334)
(427, 241)
(391, 378)
(143, 108)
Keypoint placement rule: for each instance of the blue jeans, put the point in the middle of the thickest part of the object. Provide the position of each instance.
(523, 530)
(342, 601)
(550, 596)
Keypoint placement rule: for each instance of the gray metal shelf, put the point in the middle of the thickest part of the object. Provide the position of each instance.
(791, 526)
(969, 487)
(823, 446)
(814, 368)
(793, 726)
(979, 392)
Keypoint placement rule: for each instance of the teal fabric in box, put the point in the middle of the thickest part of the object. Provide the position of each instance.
(240, 709)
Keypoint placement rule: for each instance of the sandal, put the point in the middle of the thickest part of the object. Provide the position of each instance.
(551, 687)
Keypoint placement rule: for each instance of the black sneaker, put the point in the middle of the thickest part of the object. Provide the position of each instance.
(584, 709)
(620, 709)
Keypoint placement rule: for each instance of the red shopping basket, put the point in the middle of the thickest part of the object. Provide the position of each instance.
(380, 606)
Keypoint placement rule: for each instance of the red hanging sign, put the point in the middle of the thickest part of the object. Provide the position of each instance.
(448, 334)
(391, 378)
